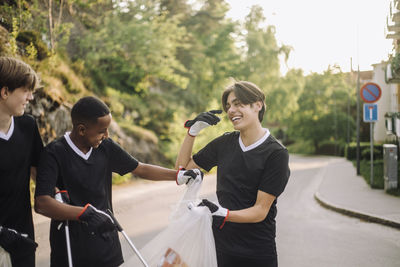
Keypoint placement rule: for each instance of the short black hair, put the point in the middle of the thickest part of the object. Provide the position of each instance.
(87, 110)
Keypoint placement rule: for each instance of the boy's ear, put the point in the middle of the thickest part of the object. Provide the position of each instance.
(258, 105)
(81, 129)
(4, 92)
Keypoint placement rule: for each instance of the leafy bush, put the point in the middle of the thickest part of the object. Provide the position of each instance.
(365, 170)
(118, 179)
(366, 153)
(28, 37)
(69, 78)
(331, 148)
(351, 151)
(138, 132)
(378, 181)
(301, 147)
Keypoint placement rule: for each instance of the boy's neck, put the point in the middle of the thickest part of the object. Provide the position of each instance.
(5, 122)
(252, 134)
(75, 138)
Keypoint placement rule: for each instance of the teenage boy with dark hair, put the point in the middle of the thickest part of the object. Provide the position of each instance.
(81, 163)
(20, 146)
(252, 172)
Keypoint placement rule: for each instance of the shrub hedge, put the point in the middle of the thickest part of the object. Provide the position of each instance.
(365, 150)
(331, 148)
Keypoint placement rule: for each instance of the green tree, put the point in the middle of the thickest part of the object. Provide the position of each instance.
(322, 113)
(261, 62)
(283, 101)
(209, 54)
(133, 49)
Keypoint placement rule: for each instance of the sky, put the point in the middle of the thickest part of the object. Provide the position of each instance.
(326, 32)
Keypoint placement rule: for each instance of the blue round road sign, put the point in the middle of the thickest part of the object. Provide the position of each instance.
(370, 92)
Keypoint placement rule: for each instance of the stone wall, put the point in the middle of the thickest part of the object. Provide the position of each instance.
(53, 118)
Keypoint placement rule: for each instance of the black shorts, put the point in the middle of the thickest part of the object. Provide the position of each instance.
(227, 260)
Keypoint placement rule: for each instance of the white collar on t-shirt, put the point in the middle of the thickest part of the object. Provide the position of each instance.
(7, 135)
(75, 148)
(256, 144)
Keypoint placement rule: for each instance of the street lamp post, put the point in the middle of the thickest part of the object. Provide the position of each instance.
(358, 120)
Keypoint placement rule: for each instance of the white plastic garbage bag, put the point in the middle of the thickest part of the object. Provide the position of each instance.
(189, 233)
(5, 260)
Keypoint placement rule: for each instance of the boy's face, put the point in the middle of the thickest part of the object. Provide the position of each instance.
(95, 133)
(15, 102)
(241, 115)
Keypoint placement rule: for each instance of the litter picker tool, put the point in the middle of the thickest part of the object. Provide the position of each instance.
(127, 238)
(59, 198)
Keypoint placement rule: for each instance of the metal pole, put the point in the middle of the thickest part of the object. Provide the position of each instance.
(66, 228)
(119, 227)
(348, 120)
(335, 123)
(134, 248)
(371, 127)
(59, 198)
(358, 121)
(348, 102)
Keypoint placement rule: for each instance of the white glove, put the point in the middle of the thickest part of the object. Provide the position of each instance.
(202, 121)
(219, 214)
(184, 176)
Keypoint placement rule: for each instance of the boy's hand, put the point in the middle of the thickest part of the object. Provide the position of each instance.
(98, 221)
(184, 176)
(219, 214)
(16, 243)
(202, 121)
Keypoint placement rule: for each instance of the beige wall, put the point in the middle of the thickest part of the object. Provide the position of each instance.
(387, 102)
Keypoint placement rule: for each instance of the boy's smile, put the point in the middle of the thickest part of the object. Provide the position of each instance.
(17, 100)
(88, 135)
(239, 114)
(96, 133)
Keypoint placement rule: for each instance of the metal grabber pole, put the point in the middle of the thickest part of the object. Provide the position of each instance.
(59, 198)
(119, 227)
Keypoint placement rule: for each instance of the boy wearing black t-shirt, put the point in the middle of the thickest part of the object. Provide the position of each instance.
(20, 147)
(252, 172)
(81, 163)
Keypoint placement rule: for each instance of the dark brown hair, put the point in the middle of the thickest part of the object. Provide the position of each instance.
(15, 73)
(246, 93)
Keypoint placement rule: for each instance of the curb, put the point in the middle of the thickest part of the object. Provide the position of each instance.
(357, 214)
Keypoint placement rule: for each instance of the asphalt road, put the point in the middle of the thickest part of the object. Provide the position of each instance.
(307, 234)
(310, 235)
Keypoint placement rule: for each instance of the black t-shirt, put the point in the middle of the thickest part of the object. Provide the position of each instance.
(87, 181)
(240, 175)
(17, 155)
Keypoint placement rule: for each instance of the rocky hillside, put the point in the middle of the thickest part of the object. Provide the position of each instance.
(62, 87)
(53, 118)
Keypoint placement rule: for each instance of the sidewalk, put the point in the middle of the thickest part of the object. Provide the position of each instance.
(343, 191)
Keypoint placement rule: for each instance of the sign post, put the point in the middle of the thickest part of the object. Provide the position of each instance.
(370, 93)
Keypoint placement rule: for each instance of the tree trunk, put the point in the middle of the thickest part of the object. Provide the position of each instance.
(60, 13)
(316, 146)
(51, 25)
